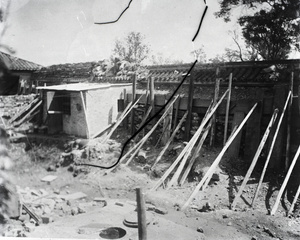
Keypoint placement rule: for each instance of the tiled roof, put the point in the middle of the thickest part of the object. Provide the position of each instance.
(260, 71)
(18, 64)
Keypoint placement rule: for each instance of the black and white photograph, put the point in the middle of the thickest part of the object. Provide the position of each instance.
(150, 119)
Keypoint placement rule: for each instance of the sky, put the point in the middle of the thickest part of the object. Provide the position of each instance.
(51, 32)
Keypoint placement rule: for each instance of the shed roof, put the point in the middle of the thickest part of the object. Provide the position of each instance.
(77, 87)
(18, 64)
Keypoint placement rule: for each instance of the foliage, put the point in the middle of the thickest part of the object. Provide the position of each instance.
(200, 55)
(132, 49)
(271, 28)
(159, 59)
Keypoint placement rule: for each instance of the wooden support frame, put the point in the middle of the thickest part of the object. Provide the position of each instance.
(195, 155)
(270, 151)
(209, 173)
(227, 109)
(170, 140)
(204, 121)
(145, 138)
(187, 153)
(287, 177)
(255, 158)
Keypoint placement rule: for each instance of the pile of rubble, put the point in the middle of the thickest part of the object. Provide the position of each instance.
(41, 207)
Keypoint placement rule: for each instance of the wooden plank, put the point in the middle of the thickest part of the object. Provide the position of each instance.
(287, 177)
(216, 95)
(170, 140)
(195, 155)
(182, 164)
(255, 158)
(289, 117)
(187, 153)
(270, 151)
(152, 103)
(210, 171)
(227, 109)
(25, 118)
(119, 121)
(133, 100)
(166, 174)
(189, 107)
(294, 201)
(85, 115)
(24, 110)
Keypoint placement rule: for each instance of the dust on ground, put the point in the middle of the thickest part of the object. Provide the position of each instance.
(79, 195)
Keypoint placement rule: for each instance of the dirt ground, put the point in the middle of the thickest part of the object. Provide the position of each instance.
(106, 199)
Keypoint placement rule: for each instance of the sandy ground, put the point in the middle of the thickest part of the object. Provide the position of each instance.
(118, 190)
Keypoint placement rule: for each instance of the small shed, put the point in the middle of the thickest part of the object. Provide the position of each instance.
(81, 109)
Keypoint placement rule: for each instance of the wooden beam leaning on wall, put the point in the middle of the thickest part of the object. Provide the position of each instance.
(204, 181)
(145, 138)
(166, 174)
(255, 158)
(271, 150)
(190, 106)
(287, 177)
(170, 140)
(188, 151)
(124, 114)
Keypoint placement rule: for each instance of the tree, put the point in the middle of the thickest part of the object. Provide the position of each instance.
(132, 49)
(159, 59)
(200, 55)
(271, 28)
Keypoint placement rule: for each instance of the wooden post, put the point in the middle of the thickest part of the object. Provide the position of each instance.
(167, 125)
(227, 109)
(177, 105)
(141, 212)
(152, 103)
(133, 100)
(213, 126)
(271, 150)
(289, 116)
(287, 177)
(125, 122)
(85, 115)
(210, 171)
(189, 107)
(256, 156)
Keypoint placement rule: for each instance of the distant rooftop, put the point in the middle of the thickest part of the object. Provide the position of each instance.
(18, 64)
(77, 87)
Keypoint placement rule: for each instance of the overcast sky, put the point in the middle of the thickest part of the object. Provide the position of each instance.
(60, 31)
